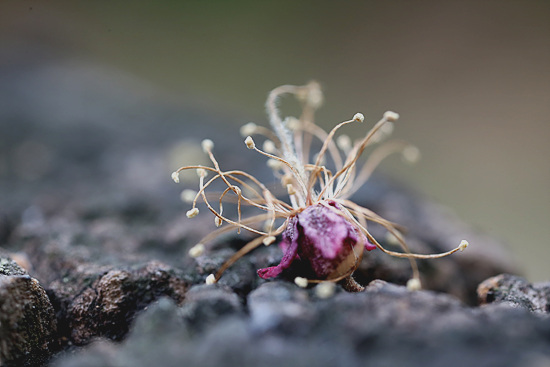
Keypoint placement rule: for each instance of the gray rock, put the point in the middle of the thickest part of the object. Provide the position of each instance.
(95, 302)
(28, 328)
(515, 291)
(9, 267)
(161, 318)
(384, 325)
(205, 305)
(430, 228)
(280, 306)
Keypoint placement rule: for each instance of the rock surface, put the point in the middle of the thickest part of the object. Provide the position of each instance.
(516, 292)
(27, 320)
(93, 215)
(89, 304)
(289, 326)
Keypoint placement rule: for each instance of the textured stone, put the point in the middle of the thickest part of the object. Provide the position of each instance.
(27, 321)
(9, 267)
(92, 304)
(280, 306)
(288, 326)
(207, 304)
(515, 291)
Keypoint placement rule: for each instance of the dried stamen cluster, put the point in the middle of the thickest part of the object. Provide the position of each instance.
(318, 222)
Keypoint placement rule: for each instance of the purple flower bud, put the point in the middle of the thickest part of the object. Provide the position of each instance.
(321, 236)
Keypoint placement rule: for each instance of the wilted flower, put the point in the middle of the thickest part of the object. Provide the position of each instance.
(323, 238)
(320, 225)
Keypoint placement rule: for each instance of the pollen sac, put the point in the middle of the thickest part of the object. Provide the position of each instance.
(192, 213)
(323, 239)
(176, 177)
(249, 143)
(391, 116)
(359, 117)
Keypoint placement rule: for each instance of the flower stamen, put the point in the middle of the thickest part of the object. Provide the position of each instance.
(315, 194)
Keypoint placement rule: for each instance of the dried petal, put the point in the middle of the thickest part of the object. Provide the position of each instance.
(322, 237)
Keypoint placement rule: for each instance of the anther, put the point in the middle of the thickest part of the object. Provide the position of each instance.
(301, 282)
(315, 97)
(391, 116)
(196, 250)
(287, 179)
(176, 177)
(218, 221)
(292, 123)
(463, 245)
(411, 154)
(188, 195)
(268, 240)
(248, 129)
(207, 145)
(192, 213)
(249, 142)
(274, 164)
(325, 290)
(343, 142)
(414, 284)
(211, 279)
(201, 172)
(290, 189)
(269, 146)
(359, 117)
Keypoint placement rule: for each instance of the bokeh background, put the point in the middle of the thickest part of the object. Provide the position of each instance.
(470, 79)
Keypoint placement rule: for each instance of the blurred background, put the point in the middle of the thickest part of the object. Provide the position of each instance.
(470, 79)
